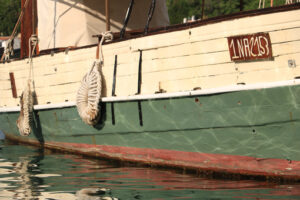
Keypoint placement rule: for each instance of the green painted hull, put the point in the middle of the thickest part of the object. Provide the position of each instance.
(258, 123)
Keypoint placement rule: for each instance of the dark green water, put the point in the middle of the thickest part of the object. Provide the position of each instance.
(30, 173)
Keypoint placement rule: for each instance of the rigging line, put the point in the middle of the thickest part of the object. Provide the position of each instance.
(150, 15)
(127, 17)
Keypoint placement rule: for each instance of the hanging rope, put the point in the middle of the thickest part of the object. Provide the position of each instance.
(33, 42)
(89, 92)
(107, 37)
(26, 101)
(25, 117)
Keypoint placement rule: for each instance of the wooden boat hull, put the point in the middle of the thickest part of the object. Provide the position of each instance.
(247, 132)
(206, 100)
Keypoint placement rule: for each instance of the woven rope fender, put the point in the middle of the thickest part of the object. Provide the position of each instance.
(89, 94)
(25, 117)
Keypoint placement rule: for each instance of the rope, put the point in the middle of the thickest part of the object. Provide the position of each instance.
(25, 117)
(26, 100)
(89, 92)
(33, 42)
(108, 37)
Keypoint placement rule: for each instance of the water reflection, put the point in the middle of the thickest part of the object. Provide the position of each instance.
(29, 173)
(2, 136)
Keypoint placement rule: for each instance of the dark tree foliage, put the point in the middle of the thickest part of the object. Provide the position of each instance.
(9, 13)
(179, 9)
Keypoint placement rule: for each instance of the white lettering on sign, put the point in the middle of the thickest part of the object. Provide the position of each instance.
(250, 47)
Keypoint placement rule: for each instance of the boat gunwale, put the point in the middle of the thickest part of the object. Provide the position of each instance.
(158, 96)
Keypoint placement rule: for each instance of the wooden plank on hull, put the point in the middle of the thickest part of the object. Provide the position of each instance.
(58, 79)
(278, 62)
(5, 84)
(286, 48)
(126, 86)
(186, 73)
(249, 30)
(57, 98)
(109, 72)
(9, 102)
(162, 40)
(263, 76)
(186, 61)
(58, 89)
(242, 25)
(81, 66)
(285, 35)
(197, 83)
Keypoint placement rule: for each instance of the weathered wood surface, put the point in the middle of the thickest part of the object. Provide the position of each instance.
(175, 61)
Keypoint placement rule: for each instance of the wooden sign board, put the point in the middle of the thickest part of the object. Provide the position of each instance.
(250, 47)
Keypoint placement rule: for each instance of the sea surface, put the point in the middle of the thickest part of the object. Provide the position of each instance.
(32, 173)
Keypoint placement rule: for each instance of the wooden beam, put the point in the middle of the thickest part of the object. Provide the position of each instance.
(107, 13)
(13, 85)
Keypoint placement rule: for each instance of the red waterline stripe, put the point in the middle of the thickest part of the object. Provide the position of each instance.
(231, 164)
(235, 164)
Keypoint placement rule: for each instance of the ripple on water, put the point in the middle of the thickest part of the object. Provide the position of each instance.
(30, 173)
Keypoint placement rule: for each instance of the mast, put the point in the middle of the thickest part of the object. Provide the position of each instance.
(28, 25)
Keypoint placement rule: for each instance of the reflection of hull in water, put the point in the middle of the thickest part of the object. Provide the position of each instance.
(160, 180)
(27, 179)
(22, 184)
(75, 172)
(234, 118)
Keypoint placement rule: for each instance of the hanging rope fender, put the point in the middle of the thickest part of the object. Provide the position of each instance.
(89, 92)
(25, 117)
(26, 100)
